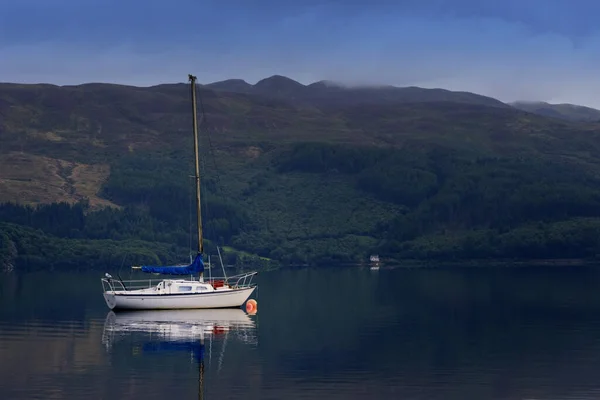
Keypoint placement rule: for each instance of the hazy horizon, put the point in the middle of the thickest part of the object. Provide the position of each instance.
(529, 50)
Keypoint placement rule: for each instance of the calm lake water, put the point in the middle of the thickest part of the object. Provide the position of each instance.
(452, 333)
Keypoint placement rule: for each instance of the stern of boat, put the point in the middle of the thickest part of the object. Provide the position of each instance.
(108, 289)
(110, 299)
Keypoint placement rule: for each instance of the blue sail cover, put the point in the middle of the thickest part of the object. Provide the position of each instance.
(195, 267)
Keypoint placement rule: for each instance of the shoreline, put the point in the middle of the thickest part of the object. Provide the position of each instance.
(473, 263)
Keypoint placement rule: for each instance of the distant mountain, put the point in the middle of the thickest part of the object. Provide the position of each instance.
(281, 86)
(565, 111)
(232, 85)
(326, 93)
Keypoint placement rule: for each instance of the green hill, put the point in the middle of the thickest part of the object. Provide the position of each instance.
(295, 174)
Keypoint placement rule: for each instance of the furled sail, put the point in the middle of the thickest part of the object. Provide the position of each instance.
(195, 267)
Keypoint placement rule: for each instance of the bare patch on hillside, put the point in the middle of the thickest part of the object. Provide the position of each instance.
(30, 179)
(49, 136)
(88, 179)
(253, 152)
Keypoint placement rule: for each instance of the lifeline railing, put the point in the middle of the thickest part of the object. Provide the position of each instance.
(116, 285)
(240, 281)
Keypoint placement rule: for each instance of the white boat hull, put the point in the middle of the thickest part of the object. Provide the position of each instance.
(139, 301)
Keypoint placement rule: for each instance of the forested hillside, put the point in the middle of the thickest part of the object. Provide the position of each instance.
(96, 176)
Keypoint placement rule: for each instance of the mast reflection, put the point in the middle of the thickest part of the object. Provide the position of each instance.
(181, 331)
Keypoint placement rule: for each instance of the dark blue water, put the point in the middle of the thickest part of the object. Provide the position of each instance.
(460, 333)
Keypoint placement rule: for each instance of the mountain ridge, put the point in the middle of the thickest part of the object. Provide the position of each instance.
(323, 92)
(565, 111)
(327, 93)
(317, 93)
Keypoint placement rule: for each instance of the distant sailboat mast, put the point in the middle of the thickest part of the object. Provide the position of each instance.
(192, 80)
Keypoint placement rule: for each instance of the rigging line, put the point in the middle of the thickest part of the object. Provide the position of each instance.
(190, 217)
(208, 228)
(218, 184)
(203, 121)
(122, 263)
(189, 184)
(210, 144)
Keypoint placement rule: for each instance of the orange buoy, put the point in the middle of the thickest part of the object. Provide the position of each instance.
(251, 306)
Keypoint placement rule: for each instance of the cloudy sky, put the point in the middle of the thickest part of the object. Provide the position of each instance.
(509, 49)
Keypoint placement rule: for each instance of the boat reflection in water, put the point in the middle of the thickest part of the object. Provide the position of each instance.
(181, 330)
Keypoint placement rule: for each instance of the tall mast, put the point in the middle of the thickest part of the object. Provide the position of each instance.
(198, 212)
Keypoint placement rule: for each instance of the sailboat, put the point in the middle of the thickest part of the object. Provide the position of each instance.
(225, 292)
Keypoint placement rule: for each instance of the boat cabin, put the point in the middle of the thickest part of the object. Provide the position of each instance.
(172, 286)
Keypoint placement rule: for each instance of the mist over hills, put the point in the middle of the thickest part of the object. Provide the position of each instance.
(325, 93)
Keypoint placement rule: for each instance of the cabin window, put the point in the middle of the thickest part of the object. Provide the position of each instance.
(184, 289)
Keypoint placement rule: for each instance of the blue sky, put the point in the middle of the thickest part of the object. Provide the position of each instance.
(513, 49)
